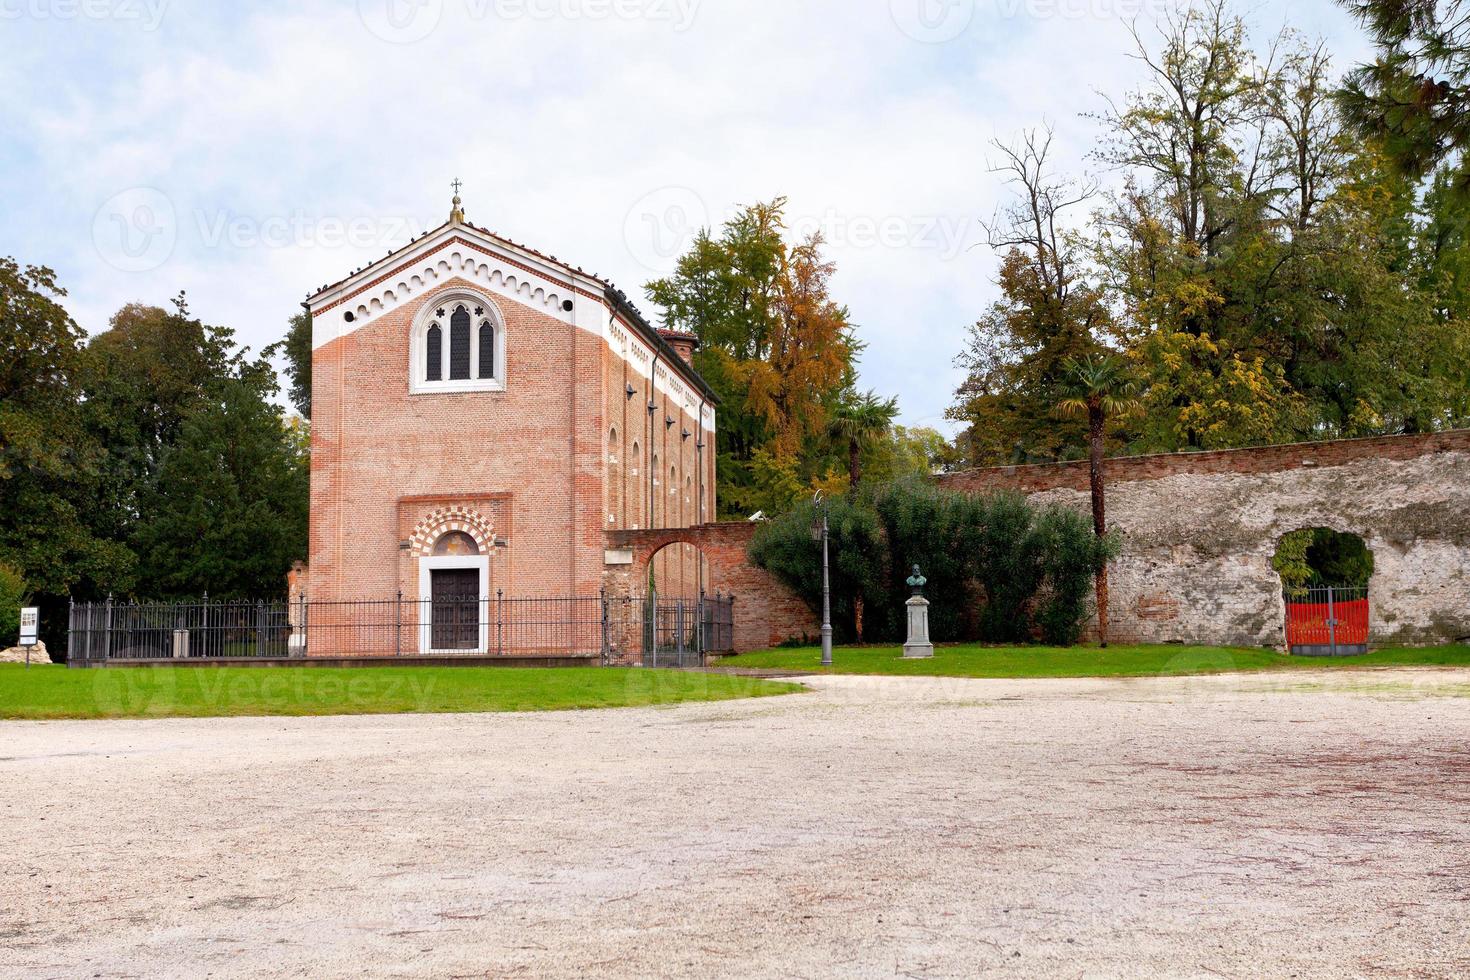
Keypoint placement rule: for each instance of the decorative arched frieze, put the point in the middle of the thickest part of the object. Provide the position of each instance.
(447, 519)
(455, 260)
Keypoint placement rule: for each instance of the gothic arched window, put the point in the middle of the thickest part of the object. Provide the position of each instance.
(458, 344)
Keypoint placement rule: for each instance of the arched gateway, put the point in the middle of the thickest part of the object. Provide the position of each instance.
(766, 612)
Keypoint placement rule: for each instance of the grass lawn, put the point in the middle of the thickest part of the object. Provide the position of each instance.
(1086, 661)
(196, 692)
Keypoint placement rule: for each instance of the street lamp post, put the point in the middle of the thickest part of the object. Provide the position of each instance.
(826, 588)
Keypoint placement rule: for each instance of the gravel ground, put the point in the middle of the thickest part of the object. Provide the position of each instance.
(1266, 825)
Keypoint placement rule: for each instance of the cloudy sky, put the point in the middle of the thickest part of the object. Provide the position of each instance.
(249, 152)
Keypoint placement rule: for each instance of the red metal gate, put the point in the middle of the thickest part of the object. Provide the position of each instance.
(1327, 621)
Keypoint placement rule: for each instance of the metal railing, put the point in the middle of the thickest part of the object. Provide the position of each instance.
(652, 630)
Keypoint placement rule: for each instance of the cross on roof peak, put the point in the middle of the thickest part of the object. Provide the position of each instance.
(456, 213)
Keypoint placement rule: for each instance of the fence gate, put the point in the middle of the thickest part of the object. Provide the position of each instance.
(681, 632)
(1327, 621)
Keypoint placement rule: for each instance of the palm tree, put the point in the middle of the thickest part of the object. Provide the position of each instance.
(858, 421)
(1098, 387)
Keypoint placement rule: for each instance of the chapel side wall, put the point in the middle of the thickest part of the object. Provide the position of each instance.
(1199, 532)
(638, 496)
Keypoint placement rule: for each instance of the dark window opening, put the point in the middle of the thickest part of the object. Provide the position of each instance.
(487, 350)
(459, 345)
(434, 354)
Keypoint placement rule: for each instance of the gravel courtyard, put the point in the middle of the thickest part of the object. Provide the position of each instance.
(1262, 825)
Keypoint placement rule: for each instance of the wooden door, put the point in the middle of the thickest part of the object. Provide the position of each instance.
(455, 601)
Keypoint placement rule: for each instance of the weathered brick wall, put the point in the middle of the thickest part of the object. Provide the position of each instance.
(1199, 531)
(766, 611)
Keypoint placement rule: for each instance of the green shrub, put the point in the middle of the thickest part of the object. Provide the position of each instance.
(12, 597)
(998, 568)
(1072, 555)
(786, 548)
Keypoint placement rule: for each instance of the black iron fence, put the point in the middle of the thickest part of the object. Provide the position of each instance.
(652, 630)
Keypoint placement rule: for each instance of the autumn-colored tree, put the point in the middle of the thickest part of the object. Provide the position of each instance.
(774, 345)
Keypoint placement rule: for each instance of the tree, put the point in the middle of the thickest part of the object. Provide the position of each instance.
(1415, 98)
(1031, 565)
(1048, 314)
(295, 348)
(1190, 130)
(141, 379)
(49, 461)
(1098, 388)
(774, 345)
(858, 422)
(228, 512)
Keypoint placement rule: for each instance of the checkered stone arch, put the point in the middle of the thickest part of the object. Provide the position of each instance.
(446, 519)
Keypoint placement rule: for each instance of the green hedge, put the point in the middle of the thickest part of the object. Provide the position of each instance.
(999, 568)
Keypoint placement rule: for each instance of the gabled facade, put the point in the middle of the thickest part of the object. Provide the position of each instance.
(483, 415)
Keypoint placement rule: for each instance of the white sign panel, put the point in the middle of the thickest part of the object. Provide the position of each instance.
(30, 621)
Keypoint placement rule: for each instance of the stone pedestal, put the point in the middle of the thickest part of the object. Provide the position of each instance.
(918, 646)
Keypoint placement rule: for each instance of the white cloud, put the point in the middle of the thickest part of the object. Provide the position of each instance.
(289, 117)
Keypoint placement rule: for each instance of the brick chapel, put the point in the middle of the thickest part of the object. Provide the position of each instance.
(486, 418)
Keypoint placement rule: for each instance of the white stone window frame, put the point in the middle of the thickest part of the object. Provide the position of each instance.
(418, 374)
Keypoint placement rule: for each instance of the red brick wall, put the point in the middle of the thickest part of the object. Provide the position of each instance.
(1038, 477)
(536, 448)
(537, 466)
(766, 611)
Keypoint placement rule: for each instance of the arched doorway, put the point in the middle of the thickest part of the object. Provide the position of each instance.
(1325, 577)
(680, 622)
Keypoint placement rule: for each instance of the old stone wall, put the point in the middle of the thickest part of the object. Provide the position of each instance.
(1199, 531)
